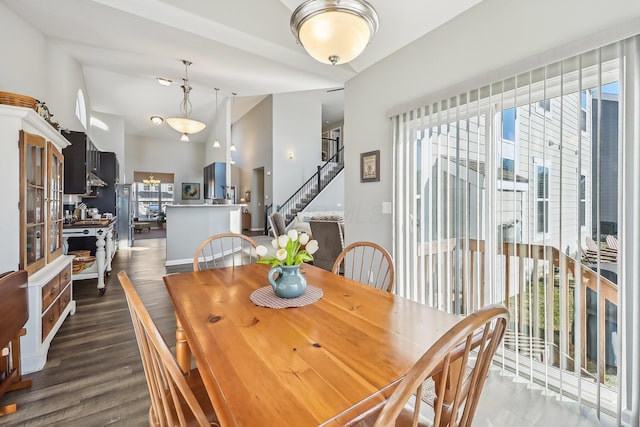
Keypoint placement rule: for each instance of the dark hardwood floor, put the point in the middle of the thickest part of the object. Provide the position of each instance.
(93, 375)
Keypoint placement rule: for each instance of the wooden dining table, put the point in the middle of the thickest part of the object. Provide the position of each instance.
(321, 364)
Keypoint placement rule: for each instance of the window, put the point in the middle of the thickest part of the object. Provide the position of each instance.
(151, 199)
(542, 199)
(583, 201)
(452, 204)
(509, 124)
(508, 165)
(507, 153)
(545, 105)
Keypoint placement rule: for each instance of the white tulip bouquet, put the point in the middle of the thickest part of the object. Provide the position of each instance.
(289, 250)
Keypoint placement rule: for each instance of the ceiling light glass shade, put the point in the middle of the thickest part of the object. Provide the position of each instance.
(187, 126)
(157, 120)
(216, 144)
(163, 81)
(184, 137)
(184, 124)
(233, 148)
(334, 31)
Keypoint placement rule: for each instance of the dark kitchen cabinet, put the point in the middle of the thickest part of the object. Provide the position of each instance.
(215, 180)
(105, 197)
(81, 158)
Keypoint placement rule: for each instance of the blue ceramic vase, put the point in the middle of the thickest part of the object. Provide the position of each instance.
(290, 283)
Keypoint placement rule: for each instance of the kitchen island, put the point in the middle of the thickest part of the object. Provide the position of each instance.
(190, 225)
(102, 230)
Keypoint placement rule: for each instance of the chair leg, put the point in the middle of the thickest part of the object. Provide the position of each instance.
(13, 380)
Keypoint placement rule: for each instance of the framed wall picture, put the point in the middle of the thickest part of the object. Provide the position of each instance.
(190, 191)
(370, 166)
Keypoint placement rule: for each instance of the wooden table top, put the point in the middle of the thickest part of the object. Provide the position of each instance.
(298, 366)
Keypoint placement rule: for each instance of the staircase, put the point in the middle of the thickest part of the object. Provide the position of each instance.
(310, 189)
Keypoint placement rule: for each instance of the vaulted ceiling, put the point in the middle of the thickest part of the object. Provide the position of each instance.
(241, 46)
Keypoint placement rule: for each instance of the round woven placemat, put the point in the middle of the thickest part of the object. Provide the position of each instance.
(266, 297)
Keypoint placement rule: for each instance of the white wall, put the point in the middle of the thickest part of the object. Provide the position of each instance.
(297, 129)
(107, 133)
(332, 198)
(182, 159)
(223, 128)
(23, 50)
(461, 53)
(64, 78)
(253, 136)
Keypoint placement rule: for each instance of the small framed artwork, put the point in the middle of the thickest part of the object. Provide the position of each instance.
(370, 166)
(190, 191)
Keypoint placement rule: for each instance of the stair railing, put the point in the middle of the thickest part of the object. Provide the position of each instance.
(312, 187)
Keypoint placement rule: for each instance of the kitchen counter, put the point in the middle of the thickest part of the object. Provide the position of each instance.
(102, 230)
(189, 225)
(90, 223)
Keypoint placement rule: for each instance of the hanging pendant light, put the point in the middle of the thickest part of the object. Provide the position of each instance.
(184, 124)
(334, 31)
(233, 146)
(216, 143)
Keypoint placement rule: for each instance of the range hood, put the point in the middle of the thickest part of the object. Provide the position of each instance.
(95, 181)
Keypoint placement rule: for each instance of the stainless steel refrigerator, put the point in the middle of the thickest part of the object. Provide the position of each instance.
(124, 213)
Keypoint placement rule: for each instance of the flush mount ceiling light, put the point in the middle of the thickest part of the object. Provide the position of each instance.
(216, 143)
(156, 120)
(334, 31)
(184, 124)
(163, 81)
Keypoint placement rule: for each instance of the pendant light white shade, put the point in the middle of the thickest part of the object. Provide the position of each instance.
(184, 137)
(184, 124)
(187, 126)
(334, 31)
(216, 144)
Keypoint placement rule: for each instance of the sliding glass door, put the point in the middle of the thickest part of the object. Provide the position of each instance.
(508, 194)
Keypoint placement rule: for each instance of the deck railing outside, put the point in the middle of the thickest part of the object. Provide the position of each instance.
(562, 311)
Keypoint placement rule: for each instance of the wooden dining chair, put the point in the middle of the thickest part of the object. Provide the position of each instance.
(225, 250)
(177, 399)
(459, 363)
(367, 263)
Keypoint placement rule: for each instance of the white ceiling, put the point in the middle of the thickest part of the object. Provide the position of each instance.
(241, 46)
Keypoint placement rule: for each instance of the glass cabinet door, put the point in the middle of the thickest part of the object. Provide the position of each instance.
(55, 176)
(33, 235)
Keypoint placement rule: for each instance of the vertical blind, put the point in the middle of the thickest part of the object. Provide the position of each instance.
(507, 193)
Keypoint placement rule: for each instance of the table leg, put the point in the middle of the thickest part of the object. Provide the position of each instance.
(183, 353)
(109, 247)
(100, 258)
